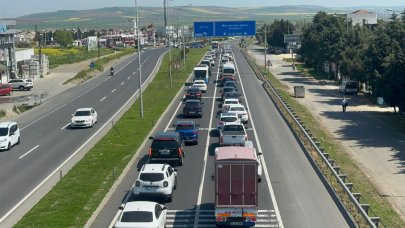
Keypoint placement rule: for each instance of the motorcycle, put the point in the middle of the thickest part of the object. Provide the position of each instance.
(112, 72)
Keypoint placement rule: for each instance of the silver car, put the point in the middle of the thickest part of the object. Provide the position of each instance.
(21, 84)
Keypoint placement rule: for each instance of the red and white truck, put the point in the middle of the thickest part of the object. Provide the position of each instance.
(236, 188)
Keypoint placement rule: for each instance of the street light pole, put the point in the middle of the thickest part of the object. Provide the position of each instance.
(139, 56)
(265, 44)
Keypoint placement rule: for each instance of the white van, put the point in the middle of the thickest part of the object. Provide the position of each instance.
(349, 86)
(9, 135)
(228, 68)
(201, 72)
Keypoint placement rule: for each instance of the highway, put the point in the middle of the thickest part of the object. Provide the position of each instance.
(291, 193)
(46, 139)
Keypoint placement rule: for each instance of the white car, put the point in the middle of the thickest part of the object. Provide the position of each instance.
(84, 117)
(241, 111)
(9, 135)
(259, 167)
(227, 118)
(142, 214)
(156, 180)
(201, 85)
(228, 102)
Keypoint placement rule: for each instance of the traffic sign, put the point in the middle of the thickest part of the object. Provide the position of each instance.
(203, 29)
(224, 28)
(235, 28)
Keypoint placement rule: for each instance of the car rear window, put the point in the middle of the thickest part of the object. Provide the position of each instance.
(229, 71)
(137, 216)
(229, 119)
(193, 90)
(164, 144)
(82, 113)
(231, 102)
(229, 89)
(236, 109)
(233, 128)
(193, 104)
(184, 127)
(151, 177)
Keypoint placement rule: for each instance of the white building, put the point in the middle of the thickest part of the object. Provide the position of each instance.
(363, 17)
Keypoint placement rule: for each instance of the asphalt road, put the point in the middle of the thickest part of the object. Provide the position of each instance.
(46, 141)
(291, 193)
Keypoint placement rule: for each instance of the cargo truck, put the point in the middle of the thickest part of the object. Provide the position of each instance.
(236, 188)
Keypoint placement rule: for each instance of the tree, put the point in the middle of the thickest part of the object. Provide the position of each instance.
(63, 37)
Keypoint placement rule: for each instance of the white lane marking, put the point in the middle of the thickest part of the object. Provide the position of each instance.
(269, 186)
(171, 119)
(103, 98)
(129, 77)
(65, 126)
(106, 79)
(122, 83)
(112, 91)
(28, 152)
(207, 144)
(78, 150)
(134, 73)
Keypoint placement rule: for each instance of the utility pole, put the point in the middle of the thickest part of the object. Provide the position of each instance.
(170, 64)
(165, 11)
(265, 45)
(139, 56)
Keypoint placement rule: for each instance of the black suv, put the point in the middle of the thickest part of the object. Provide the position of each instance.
(167, 147)
(193, 107)
(193, 93)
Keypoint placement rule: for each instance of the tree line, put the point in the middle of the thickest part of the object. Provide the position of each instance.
(373, 55)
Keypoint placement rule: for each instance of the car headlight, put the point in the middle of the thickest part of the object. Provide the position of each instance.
(88, 120)
(3, 140)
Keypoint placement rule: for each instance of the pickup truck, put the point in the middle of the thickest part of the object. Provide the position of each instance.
(233, 134)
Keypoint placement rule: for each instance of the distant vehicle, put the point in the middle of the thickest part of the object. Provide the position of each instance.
(156, 180)
(9, 135)
(241, 111)
(167, 147)
(142, 214)
(227, 90)
(226, 77)
(233, 134)
(228, 69)
(349, 86)
(201, 72)
(230, 83)
(228, 102)
(193, 107)
(84, 117)
(227, 118)
(206, 62)
(215, 44)
(223, 61)
(188, 131)
(257, 154)
(201, 85)
(233, 95)
(193, 92)
(235, 168)
(21, 84)
(6, 89)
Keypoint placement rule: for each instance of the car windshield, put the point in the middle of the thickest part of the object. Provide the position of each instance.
(3, 131)
(137, 216)
(229, 83)
(199, 83)
(231, 102)
(229, 119)
(236, 109)
(82, 113)
(233, 128)
(351, 85)
(231, 95)
(151, 177)
(184, 127)
(229, 89)
(200, 73)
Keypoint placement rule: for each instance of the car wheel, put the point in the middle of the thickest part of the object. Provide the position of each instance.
(92, 124)
(180, 163)
(18, 141)
(175, 183)
(8, 146)
(170, 197)
(196, 142)
(11, 92)
(21, 87)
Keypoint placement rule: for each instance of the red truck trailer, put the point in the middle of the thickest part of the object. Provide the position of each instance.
(236, 190)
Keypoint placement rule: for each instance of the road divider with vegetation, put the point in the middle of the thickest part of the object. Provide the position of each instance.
(72, 201)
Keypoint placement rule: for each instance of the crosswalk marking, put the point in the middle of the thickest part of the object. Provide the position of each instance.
(206, 218)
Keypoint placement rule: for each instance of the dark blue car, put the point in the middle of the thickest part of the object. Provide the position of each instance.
(188, 131)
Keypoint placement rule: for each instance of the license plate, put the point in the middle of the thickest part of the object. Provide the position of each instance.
(236, 223)
(151, 188)
(192, 112)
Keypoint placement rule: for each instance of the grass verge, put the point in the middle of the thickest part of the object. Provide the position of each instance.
(379, 205)
(73, 200)
(2, 113)
(24, 107)
(99, 66)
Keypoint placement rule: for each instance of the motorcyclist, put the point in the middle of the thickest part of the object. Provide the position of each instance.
(112, 70)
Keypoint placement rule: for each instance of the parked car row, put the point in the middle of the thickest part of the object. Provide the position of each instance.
(15, 84)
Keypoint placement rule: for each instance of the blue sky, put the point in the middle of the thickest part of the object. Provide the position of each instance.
(15, 8)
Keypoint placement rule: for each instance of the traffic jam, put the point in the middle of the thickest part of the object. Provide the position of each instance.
(238, 168)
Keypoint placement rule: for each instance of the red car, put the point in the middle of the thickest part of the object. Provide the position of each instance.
(6, 89)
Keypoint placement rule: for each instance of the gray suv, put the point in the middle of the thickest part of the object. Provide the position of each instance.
(21, 84)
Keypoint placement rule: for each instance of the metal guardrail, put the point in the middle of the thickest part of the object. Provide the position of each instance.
(362, 208)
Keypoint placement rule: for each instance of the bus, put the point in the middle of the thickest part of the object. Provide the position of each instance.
(201, 72)
(215, 44)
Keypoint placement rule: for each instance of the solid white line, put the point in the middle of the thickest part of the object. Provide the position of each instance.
(112, 91)
(42, 117)
(28, 152)
(269, 186)
(103, 98)
(122, 83)
(65, 126)
(129, 77)
(76, 152)
(134, 72)
(207, 144)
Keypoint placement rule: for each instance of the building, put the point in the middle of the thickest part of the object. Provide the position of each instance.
(8, 65)
(363, 17)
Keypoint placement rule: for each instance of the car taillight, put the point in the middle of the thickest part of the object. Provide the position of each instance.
(246, 138)
(221, 139)
(180, 151)
(198, 94)
(219, 219)
(150, 152)
(165, 183)
(195, 132)
(137, 183)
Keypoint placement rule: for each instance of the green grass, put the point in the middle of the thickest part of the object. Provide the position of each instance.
(378, 204)
(2, 113)
(72, 201)
(99, 66)
(24, 107)
(311, 72)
